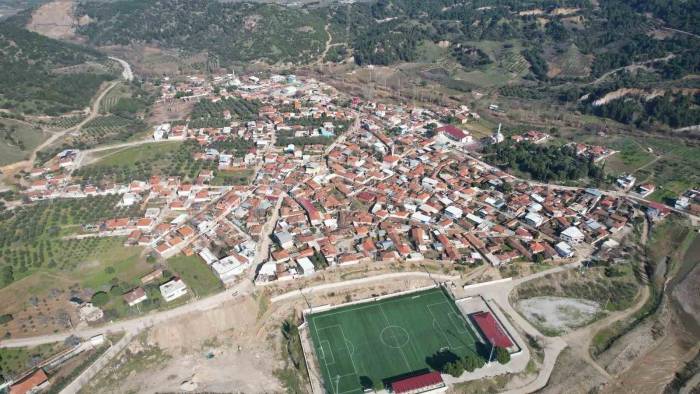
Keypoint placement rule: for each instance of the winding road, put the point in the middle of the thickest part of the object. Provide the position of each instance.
(94, 112)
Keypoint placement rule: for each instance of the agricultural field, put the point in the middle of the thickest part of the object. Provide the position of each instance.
(61, 122)
(209, 114)
(108, 128)
(32, 240)
(140, 162)
(110, 100)
(196, 274)
(17, 140)
(672, 165)
(570, 63)
(14, 361)
(237, 177)
(39, 301)
(131, 101)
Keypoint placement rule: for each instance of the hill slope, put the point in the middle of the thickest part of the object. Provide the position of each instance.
(228, 31)
(44, 76)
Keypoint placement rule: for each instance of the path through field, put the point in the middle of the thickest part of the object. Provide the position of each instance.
(26, 165)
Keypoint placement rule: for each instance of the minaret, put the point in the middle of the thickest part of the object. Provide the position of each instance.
(498, 138)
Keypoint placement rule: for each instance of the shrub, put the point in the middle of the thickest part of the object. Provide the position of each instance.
(100, 298)
(502, 355)
(6, 318)
(454, 369)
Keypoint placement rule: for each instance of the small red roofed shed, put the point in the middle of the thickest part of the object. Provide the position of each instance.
(418, 384)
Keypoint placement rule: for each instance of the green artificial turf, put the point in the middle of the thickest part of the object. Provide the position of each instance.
(380, 341)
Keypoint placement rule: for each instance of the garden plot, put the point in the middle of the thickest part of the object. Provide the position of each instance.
(558, 315)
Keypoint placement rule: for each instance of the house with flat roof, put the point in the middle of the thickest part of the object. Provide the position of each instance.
(306, 267)
(572, 235)
(173, 289)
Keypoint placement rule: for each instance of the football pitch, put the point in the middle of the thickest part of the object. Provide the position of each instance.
(376, 342)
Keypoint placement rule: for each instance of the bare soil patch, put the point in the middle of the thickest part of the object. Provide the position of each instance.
(54, 19)
(573, 375)
(43, 308)
(558, 314)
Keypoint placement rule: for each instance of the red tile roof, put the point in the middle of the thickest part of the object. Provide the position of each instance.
(491, 329)
(416, 382)
(29, 382)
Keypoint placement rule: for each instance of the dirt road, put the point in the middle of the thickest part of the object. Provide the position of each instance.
(94, 112)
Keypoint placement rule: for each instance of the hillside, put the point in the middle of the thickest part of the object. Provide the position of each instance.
(570, 51)
(45, 76)
(227, 31)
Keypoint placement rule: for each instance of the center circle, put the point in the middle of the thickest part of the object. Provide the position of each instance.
(394, 336)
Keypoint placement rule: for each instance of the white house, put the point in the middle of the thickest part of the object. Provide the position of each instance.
(564, 250)
(173, 289)
(306, 266)
(228, 268)
(161, 131)
(284, 239)
(572, 235)
(267, 272)
(534, 219)
(453, 212)
(208, 256)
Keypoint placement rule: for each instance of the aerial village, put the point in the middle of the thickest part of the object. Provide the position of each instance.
(334, 181)
(359, 181)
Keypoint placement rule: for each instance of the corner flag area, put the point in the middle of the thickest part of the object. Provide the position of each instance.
(372, 344)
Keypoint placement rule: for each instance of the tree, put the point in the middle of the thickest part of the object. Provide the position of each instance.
(455, 368)
(502, 355)
(439, 360)
(6, 318)
(100, 298)
(473, 361)
(366, 383)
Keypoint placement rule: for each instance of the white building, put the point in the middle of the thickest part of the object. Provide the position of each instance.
(267, 272)
(228, 268)
(534, 219)
(572, 235)
(173, 289)
(306, 266)
(453, 212)
(208, 256)
(284, 239)
(161, 131)
(564, 250)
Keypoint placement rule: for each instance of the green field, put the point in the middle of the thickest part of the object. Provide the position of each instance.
(381, 341)
(196, 274)
(17, 140)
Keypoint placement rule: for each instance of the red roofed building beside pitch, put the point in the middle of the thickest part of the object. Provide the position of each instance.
(418, 384)
(491, 329)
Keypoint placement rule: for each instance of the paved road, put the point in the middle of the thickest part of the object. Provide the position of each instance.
(361, 281)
